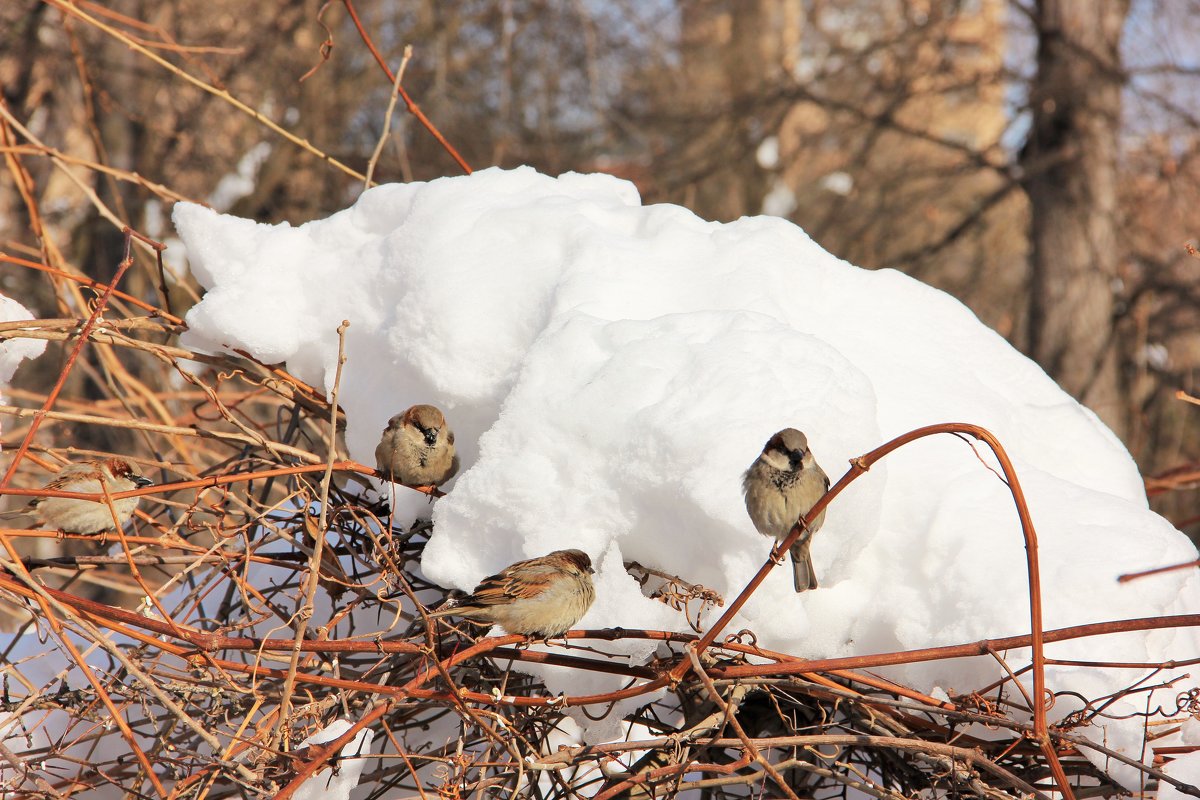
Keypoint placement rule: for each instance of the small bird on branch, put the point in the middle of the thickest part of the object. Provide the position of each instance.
(542, 597)
(417, 448)
(76, 515)
(781, 487)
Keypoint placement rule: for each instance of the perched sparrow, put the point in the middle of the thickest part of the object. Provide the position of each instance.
(74, 515)
(417, 448)
(541, 597)
(781, 486)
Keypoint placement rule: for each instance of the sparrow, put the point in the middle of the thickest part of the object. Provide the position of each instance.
(782, 484)
(73, 515)
(541, 597)
(417, 448)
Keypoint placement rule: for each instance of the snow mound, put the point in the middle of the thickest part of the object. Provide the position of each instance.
(610, 369)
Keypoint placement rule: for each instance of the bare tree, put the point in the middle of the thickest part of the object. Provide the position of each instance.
(1070, 160)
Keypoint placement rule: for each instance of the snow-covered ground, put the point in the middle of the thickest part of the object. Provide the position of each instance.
(610, 369)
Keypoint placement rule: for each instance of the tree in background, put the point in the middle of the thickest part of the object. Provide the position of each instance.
(980, 145)
(1070, 167)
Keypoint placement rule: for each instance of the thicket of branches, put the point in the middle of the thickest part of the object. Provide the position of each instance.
(188, 655)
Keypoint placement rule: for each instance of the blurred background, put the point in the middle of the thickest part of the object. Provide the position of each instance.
(1038, 159)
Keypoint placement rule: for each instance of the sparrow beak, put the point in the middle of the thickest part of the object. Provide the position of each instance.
(141, 480)
(430, 437)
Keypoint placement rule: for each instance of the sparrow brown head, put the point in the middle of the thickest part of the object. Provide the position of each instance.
(781, 486)
(541, 597)
(417, 448)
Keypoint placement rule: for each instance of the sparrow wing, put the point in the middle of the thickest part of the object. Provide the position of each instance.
(83, 478)
(520, 581)
(76, 475)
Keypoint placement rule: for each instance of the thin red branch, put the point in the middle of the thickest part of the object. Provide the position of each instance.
(126, 263)
(94, 285)
(979, 648)
(498, 646)
(413, 108)
(217, 480)
(323, 752)
(1133, 576)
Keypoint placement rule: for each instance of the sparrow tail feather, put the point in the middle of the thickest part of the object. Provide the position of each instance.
(803, 575)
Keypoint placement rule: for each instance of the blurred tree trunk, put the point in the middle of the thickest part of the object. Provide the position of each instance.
(1070, 163)
(733, 53)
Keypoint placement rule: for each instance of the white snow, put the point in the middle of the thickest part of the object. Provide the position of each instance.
(14, 351)
(611, 369)
(767, 153)
(838, 182)
(780, 200)
(336, 783)
(235, 185)
(1185, 768)
(1190, 731)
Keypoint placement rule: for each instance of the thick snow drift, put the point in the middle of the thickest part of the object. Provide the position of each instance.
(611, 369)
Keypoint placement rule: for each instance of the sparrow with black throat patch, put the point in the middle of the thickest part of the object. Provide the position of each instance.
(781, 486)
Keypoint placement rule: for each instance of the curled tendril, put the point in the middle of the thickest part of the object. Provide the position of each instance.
(745, 637)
